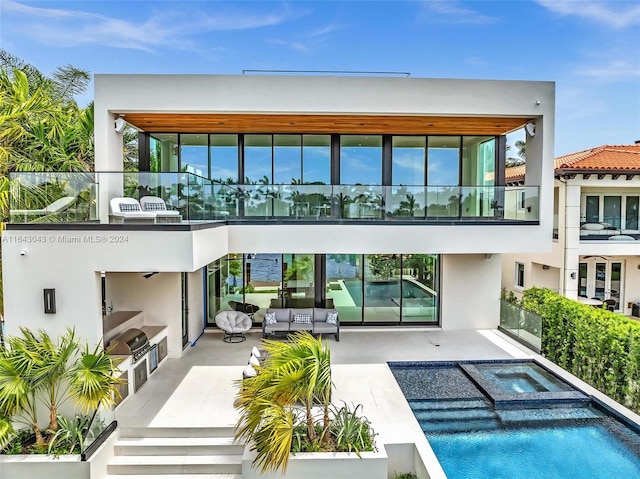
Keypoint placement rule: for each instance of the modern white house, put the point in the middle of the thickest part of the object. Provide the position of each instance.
(595, 254)
(385, 198)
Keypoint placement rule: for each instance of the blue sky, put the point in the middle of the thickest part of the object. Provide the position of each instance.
(590, 49)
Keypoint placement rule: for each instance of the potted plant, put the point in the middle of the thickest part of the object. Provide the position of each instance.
(286, 409)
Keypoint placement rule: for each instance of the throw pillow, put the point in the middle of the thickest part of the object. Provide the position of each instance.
(332, 318)
(254, 361)
(270, 318)
(255, 352)
(302, 318)
(249, 372)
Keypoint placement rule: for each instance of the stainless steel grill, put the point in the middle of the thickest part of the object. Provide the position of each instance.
(132, 342)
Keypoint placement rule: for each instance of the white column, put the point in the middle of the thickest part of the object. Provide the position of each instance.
(571, 240)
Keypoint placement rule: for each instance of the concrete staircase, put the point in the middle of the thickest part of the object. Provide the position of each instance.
(176, 453)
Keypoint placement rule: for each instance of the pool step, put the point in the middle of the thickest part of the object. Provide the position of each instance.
(516, 416)
(433, 427)
(454, 416)
(430, 405)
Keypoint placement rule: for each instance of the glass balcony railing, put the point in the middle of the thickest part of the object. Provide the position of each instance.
(86, 197)
(523, 325)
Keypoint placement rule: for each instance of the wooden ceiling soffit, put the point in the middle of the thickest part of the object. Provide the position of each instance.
(275, 123)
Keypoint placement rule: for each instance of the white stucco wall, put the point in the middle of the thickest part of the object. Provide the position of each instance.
(470, 291)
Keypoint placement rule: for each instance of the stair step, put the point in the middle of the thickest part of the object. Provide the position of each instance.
(199, 464)
(177, 431)
(547, 414)
(454, 415)
(176, 446)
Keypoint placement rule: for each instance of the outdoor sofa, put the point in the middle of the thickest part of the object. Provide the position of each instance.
(290, 320)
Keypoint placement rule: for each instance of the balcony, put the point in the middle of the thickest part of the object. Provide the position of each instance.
(84, 198)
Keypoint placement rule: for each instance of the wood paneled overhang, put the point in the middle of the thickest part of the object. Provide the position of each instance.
(346, 124)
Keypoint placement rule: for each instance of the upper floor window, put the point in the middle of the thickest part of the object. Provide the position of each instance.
(519, 279)
(617, 212)
(361, 159)
(163, 152)
(223, 151)
(443, 160)
(408, 158)
(194, 157)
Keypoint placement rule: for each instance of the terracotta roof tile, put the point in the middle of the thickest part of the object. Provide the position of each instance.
(601, 158)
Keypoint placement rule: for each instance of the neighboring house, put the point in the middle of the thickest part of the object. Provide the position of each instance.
(382, 197)
(596, 239)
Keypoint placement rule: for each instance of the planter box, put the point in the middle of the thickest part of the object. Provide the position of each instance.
(39, 465)
(321, 465)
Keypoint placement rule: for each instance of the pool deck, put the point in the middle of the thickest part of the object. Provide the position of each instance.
(198, 389)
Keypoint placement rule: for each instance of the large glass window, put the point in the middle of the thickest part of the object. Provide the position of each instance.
(257, 159)
(194, 157)
(263, 276)
(382, 290)
(612, 210)
(592, 213)
(224, 158)
(477, 176)
(316, 159)
(163, 152)
(344, 286)
(287, 159)
(443, 163)
(408, 160)
(420, 288)
(361, 159)
(298, 279)
(631, 213)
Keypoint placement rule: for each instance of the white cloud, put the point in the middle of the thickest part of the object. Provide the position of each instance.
(613, 70)
(452, 11)
(161, 29)
(613, 14)
(298, 46)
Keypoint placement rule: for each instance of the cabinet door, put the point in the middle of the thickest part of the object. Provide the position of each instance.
(139, 375)
(162, 349)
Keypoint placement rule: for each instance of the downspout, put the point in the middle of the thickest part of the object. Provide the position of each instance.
(205, 298)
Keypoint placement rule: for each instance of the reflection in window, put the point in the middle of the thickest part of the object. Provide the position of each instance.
(408, 160)
(316, 159)
(443, 163)
(612, 210)
(592, 214)
(420, 288)
(163, 152)
(287, 159)
(224, 158)
(631, 216)
(478, 172)
(257, 159)
(344, 286)
(361, 159)
(194, 157)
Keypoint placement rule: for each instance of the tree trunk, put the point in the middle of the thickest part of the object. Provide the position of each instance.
(53, 418)
(311, 430)
(36, 430)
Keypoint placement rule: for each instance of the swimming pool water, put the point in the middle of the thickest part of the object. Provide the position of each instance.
(536, 438)
(589, 452)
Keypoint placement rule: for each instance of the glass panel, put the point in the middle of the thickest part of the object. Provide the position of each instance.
(316, 159)
(582, 282)
(406, 201)
(420, 288)
(232, 280)
(615, 289)
(592, 213)
(344, 286)
(215, 289)
(163, 152)
(194, 157)
(612, 210)
(631, 213)
(382, 288)
(360, 201)
(601, 281)
(408, 160)
(224, 158)
(443, 164)
(297, 281)
(287, 159)
(361, 160)
(257, 159)
(520, 274)
(263, 275)
(443, 201)
(478, 168)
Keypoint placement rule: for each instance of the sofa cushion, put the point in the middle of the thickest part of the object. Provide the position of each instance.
(320, 314)
(332, 317)
(302, 318)
(322, 327)
(281, 314)
(270, 318)
(592, 226)
(278, 327)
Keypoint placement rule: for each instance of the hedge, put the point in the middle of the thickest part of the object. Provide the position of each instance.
(599, 347)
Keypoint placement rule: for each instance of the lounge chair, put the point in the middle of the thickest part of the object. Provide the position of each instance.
(158, 206)
(129, 209)
(234, 324)
(57, 207)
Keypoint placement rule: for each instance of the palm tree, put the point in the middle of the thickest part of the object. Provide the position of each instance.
(295, 371)
(34, 369)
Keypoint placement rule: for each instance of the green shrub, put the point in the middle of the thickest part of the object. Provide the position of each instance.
(600, 347)
(406, 475)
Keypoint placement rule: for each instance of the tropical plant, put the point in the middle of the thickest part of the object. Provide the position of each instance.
(352, 432)
(70, 434)
(276, 406)
(34, 370)
(301, 268)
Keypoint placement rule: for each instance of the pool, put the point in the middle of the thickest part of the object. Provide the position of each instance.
(387, 293)
(515, 420)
